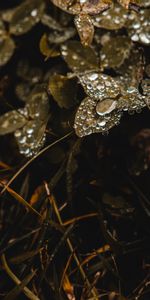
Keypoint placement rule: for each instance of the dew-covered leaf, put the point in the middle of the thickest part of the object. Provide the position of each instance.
(26, 16)
(79, 58)
(108, 98)
(98, 86)
(138, 26)
(130, 99)
(85, 29)
(28, 123)
(31, 137)
(7, 48)
(78, 6)
(90, 118)
(63, 90)
(112, 19)
(115, 51)
(38, 103)
(11, 121)
(48, 49)
(131, 71)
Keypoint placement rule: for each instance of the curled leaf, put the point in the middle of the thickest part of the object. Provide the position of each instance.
(47, 49)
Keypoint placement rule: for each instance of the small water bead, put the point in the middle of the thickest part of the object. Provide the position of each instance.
(17, 133)
(74, 56)
(131, 89)
(21, 139)
(64, 53)
(29, 130)
(82, 1)
(37, 114)
(34, 13)
(135, 38)
(144, 38)
(93, 76)
(102, 123)
(64, 47)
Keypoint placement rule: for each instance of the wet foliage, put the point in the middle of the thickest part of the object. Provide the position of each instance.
(75, 150)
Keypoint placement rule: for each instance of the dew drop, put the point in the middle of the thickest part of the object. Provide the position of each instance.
(105, 107)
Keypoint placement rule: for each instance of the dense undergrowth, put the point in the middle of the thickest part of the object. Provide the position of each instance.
(74, 212)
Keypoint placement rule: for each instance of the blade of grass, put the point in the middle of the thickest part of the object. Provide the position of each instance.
(23, 202)
(26, 291)
(76, 219)
(33, 158)
(15, 292)
(56, 210)
(23, 257)
(65, 270)
(30, 208)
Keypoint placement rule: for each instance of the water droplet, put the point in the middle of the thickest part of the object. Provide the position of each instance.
(34, 13)
(22, 139)
(93, 76)
(17, 133)
(105, 107)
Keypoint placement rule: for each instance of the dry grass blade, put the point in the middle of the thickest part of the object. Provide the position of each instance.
(103, 249)
(22, 201)
(33, 158)
(93, 290)
(68, 288)
(25, 256)
(31, 209)
(5, 166)
(26, 291)
(76, 219)
(15, 292)
(65, 270)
